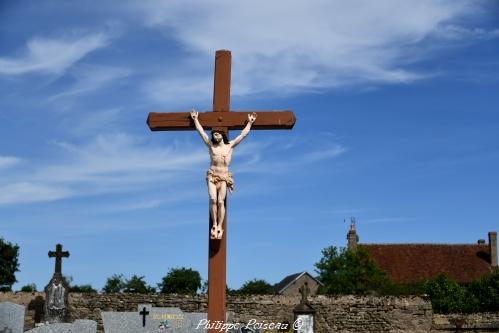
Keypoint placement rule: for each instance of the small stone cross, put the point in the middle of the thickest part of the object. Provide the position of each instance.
(58, 254)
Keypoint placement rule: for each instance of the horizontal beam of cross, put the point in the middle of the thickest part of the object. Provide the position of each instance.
(178, 121)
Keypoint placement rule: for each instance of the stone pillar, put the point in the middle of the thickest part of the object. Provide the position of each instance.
(493, 248)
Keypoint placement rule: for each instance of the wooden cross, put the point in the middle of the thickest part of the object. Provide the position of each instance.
(58, 254)
(220, 119)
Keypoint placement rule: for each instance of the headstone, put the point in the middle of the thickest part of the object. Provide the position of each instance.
(149, 319)
(11, 318)
(79, 326)
(305, 323)
(56, 292)
(304, 313)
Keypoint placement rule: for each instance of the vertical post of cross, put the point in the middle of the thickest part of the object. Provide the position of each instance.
(217, 265)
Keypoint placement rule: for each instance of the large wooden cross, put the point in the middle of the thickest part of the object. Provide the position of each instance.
(58, 254)
(220, 119)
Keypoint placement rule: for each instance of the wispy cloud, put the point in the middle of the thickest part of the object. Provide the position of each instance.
(8, 161)
(327, 153)
(108, 164)
(25, 192)
(296, 45)
(89, 78)
(52, 55)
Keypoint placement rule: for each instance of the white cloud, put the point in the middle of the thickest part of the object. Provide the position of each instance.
(333, 151)
(52, 56)
(285, 46)
(25, 192)
(115, 163)
(8, 161)
(91, 78)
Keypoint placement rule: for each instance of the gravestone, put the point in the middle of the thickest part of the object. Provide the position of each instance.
(304, 313)
(79, 326)
(56, 292)
(149, 319)
(11, 318)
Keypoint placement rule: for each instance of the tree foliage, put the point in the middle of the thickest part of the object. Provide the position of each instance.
(137, 285)
(29, 288)
(256, 287)
(447, 296)
(75, 288)
(9, 264)
(180, 281)
(486, 291)
(343, 271)
(114, 284)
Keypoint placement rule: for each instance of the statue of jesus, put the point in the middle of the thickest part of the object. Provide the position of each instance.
(218, 177)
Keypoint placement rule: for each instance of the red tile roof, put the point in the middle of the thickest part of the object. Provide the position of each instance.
(406, 263)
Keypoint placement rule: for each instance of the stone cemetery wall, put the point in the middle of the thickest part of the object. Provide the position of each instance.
(334, 314)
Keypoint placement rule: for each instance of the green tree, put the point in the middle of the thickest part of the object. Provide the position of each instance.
(114, 284)
(486, 292)
(180, 281)
(29, 288)
(447, 296)
(343, 271)
(137, 285)
(9, 264)
(256, 287)
(74, 288)
(82, 288)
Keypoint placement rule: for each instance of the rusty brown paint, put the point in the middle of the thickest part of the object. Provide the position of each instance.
(221, 118)
(217, 257)
(234, 120)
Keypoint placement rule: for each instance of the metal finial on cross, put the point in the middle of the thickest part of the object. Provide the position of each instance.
(58, 254)
(221, 119)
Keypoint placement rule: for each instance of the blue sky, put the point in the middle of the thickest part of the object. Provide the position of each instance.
(397, 110)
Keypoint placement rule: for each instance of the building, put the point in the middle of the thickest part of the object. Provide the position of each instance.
(290, 284)
(409, 263)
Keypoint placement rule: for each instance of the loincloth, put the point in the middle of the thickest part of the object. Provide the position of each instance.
(217, 177)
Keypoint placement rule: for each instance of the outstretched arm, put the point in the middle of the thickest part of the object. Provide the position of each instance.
(245, 131)
(199, 128)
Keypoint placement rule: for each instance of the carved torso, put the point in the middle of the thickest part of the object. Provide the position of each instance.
(220, 156)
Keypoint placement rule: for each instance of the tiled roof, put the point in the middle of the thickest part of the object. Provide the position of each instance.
(406, 263)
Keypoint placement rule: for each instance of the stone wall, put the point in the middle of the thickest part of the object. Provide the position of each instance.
(334, 314)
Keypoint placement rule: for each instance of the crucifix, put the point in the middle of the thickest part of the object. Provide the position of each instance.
(58, 254)
(220, 120)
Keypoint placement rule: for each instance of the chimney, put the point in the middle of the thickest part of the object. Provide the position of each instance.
(352, 236)
(493, 248)
(481, 242)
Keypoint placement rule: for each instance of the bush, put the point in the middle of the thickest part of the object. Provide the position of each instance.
(137, 285)
(114, 284)
(29, 288)
(180, 281)
(255, 287)
(447, 296)
(486, 291)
